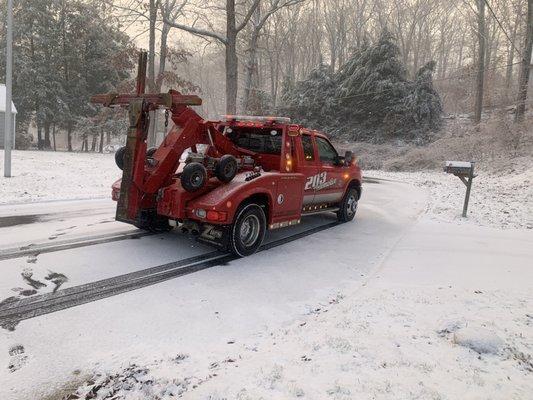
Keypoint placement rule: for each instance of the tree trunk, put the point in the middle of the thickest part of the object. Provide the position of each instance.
(460, 57)
(232, 73)
(511, 51)
(39, 136)
(162, 56)
(151, 46)
(93, 144)
(525, 66)
(69, 137)
(84, 144)
(47, 143)
(101, 148)
(108, 138)
(480, 61)
(250, 80)
(54, 135)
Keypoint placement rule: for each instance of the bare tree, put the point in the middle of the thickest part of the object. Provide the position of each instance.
(152, 18)
(480, 60)
(512, 13)
(525, 66)
(170, 10)
(257, 22)
(229, 41)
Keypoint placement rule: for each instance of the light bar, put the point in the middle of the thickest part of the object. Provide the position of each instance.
(279, 120)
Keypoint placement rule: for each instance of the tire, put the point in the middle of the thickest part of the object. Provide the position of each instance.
(248, 231)
(193, 177)
(119, 157)
(226, 168)
(348, 206)
(150, 152)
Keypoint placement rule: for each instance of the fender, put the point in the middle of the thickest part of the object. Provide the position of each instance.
(228, 197)
(355, 183)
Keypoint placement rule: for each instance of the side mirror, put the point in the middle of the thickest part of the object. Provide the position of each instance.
(348, 158)
(338, 161)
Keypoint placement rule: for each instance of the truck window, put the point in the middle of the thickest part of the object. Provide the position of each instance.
(264, 141)
(307, 143)
(326, 151)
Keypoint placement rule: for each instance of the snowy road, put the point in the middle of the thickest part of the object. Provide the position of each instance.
(238, 319)
(51, 222)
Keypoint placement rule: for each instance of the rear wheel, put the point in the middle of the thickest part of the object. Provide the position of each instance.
(348, 206)
(248, 230)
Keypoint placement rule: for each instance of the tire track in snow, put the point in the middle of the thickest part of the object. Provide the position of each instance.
(12, 312)
(23, 251)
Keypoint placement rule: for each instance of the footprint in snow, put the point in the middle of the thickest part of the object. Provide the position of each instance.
(27, 275)
(32, 259)
(17, 358)
(57, 279)
(28, 292)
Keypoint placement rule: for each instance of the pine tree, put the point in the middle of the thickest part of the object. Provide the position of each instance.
(372, 82)
(64, 51)
(309, 100)
(369, 98)
(423, 106)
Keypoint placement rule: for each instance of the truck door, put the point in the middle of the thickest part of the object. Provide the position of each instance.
(307, 165)
(330, 184)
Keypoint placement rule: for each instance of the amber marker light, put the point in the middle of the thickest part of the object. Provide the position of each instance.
(288, 163)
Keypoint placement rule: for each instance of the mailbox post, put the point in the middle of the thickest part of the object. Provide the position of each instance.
(465, 171)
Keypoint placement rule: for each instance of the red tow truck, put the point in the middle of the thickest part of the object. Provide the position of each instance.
(226, 181)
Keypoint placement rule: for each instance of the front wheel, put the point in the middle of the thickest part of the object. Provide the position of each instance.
(348, 206)
(248, 230)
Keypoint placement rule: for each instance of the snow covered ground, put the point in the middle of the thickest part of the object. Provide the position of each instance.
(502, 201)
(49, 175)
(409, 301)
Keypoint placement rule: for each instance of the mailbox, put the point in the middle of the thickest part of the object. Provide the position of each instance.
(464, 170)
(459, 168)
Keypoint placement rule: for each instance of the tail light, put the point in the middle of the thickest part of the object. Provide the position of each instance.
(216, 216)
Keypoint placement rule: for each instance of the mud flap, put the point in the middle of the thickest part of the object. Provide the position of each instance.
(149, 220)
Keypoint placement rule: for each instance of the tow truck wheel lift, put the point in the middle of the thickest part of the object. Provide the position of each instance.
(137, 202)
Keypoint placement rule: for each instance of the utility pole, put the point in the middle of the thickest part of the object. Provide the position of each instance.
(9, 83)
(480, 61)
